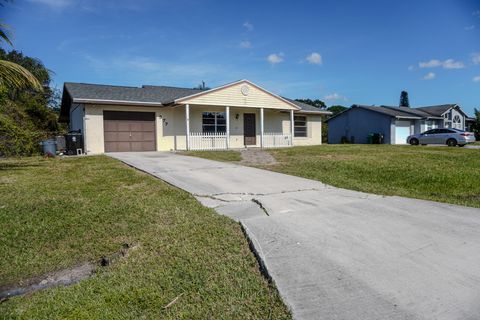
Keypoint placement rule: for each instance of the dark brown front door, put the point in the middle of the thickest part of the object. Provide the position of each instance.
(249, 132)
(129, 131)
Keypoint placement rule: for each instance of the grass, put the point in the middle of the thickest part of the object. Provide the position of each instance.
(229, 155)
(442, 174)
(56, 213)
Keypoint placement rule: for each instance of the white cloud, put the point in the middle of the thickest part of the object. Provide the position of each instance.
(275, 58)
(245, 44)
(476, 13)
(429, 76)
(476, 57)
(447, 64)
(469, 28)
(476, 79)
(452, 64)
(314, 58)
(335, 96)
(55, 4)
(411, 68)
(147, 69)
(430, 64)
(247, 25)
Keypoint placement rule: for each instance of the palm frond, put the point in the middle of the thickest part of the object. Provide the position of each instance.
(4, 34)
(15, 76)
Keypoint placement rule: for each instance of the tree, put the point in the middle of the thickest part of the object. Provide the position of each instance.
(13, 75)
(26, 116)
(202, 86)
(476, 124)
(316, 103)
(404, 99)
(336, 109)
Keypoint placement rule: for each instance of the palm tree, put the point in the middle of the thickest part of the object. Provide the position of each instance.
(13, 75)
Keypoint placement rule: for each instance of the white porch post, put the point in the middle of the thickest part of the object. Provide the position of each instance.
(187, 125)
(292, 127)
(261, 127)
(227, 119)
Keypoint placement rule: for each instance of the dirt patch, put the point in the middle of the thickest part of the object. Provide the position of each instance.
(257, 157)
(63, 277)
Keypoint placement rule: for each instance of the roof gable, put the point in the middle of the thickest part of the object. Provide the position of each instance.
(241, 93)
(438, 110)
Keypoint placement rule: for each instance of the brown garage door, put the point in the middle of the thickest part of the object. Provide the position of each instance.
(129, 131)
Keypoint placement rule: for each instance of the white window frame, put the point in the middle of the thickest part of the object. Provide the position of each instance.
(304, 119)
(457, 125)
(215, 124)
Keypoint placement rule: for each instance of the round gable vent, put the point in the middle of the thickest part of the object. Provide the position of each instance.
(245, 89)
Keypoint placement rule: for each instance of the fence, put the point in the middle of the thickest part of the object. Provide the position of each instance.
(276, 140)
(208, 141)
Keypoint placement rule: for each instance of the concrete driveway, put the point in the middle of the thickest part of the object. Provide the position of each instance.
(340, 254)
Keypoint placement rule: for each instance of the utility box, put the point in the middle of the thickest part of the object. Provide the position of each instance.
(74, 143)
(377, 138)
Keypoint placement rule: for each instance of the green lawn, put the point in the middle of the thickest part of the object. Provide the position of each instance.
(443, 174)
(56, 213)
(229, 155)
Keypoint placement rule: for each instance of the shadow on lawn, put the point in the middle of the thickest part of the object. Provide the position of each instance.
(11, 165)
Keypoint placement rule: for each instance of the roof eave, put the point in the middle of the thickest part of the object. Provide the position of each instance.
(118, 102)
(408, 117)
(327, 113)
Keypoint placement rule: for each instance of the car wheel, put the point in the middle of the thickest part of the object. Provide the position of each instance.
(451, 142)
(414, 142)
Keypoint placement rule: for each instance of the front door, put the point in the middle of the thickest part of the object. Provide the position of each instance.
(249, 131)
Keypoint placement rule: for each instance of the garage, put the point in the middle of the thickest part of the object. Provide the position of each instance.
(402, 131)
(129, 131)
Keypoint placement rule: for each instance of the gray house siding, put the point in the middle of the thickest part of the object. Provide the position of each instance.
(77, 113)
(358, 123)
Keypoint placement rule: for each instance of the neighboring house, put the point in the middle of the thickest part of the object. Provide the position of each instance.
(395, 123)
(154, 118)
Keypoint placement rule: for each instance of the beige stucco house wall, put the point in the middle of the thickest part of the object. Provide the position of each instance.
(170, 125)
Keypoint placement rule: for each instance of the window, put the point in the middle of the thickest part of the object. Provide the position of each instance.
(300, 127)
(430, 125)
(214, 122)
(457, 122)
(444, 131)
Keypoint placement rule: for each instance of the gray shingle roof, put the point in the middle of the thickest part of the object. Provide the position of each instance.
(306, 107)
(151, 94)
(413, 113)
(436, 110)
(390, 111)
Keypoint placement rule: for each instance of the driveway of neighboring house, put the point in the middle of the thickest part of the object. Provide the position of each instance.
(340, 254)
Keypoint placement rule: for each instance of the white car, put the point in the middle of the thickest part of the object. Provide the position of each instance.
(450, 137)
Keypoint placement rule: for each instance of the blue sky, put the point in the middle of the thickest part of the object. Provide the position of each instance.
(342, 52)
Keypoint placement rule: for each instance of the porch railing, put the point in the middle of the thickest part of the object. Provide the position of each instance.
(276, 140)
(208, 141)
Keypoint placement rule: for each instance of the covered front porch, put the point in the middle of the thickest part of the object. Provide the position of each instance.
(218, 128)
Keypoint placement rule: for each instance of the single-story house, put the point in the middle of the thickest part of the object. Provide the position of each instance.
(394, 123)
(155, 118)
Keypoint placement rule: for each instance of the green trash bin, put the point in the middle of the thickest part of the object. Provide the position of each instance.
(370, 138)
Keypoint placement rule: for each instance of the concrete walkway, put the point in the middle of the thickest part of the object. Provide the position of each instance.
(339, 254)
